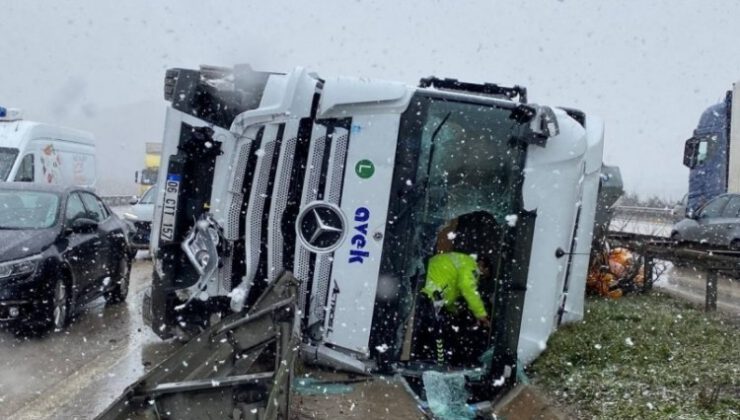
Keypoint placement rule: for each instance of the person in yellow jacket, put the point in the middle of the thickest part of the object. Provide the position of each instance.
(452, 276)
(448, 299)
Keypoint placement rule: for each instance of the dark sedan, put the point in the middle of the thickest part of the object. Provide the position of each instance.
(59, 248)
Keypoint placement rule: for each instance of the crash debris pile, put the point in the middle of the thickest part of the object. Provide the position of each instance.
(616, 272)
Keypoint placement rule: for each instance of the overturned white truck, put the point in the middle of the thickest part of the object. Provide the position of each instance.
(347, 183)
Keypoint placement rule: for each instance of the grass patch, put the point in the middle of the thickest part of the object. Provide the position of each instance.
(646, 356)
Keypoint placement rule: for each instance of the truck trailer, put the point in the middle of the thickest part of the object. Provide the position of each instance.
(350, 185)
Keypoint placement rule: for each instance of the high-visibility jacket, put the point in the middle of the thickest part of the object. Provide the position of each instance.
(452, 275)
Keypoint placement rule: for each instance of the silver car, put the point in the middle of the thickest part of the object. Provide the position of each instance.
(716, 223)
(140, 215)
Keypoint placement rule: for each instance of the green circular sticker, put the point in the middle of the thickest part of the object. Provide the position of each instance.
(365, 169)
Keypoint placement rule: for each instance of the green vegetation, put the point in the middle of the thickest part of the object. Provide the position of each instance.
(646, 356)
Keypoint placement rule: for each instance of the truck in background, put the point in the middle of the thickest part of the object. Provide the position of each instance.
(347, 184)
(147, 177)
(45, 153)
(712, 154)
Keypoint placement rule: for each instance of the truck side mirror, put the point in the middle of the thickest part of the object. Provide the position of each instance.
(691, 152)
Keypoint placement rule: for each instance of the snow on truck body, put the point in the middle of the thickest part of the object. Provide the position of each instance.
(346, 183)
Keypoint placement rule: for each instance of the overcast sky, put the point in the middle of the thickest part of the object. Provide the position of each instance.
(648, 69)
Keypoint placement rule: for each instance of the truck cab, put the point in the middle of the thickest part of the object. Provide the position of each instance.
(352, 184)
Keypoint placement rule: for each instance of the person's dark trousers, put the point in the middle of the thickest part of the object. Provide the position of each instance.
(429, 343)
(467, 340)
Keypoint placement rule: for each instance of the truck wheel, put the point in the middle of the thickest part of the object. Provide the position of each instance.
(123, 276)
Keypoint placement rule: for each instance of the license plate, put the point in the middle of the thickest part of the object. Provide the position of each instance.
(169, 210)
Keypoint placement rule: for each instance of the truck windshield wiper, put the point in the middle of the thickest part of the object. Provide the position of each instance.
(413, 195)
(433, 141)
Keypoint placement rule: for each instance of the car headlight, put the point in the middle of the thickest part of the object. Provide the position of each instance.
(19, 267)
(130, 216)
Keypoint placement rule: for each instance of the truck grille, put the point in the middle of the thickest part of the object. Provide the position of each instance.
(285, 168)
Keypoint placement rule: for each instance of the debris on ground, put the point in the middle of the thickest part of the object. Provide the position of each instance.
(362, 397)
(446, 395)
(616, 272)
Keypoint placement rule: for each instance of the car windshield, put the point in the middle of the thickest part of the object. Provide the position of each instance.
(28, 209)
(7, 159)
(148, 197)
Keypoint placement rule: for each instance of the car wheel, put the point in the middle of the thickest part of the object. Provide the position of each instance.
(59, 308)
(675, 236)
(123, 277)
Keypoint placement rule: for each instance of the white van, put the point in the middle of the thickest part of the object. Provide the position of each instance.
(43, 153)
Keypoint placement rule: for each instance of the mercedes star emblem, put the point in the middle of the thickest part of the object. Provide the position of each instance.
(321, 227)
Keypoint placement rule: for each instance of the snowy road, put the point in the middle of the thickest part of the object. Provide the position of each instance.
(690, 284)
(75, 374)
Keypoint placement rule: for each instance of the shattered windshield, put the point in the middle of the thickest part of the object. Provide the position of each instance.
(7, 159)
(469, 163)
(457, 181)
(459, 159)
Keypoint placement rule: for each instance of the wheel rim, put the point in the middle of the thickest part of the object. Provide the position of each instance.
(123, 278)
(60, 304)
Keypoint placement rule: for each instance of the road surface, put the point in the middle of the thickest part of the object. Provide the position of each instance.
(76, 373)
(690, 284)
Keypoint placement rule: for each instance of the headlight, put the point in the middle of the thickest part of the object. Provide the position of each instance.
(130, 216)
(19, 267)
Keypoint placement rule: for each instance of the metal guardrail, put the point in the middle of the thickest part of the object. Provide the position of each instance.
(702, 256)
(647, 213)
(117, 200)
